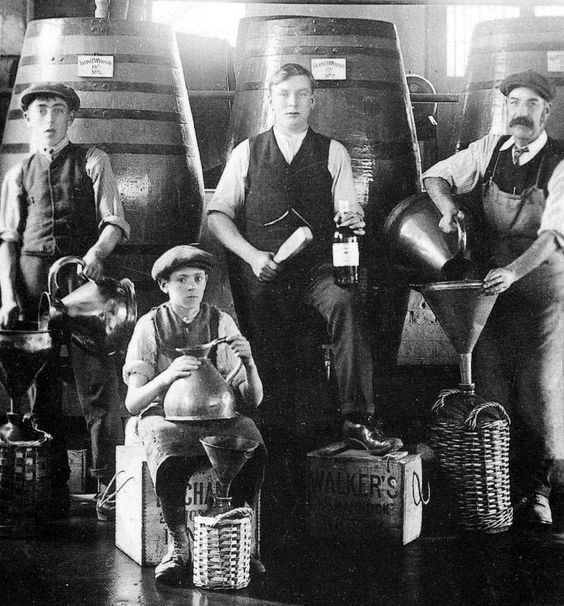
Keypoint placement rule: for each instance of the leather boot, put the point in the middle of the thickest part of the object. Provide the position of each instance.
(175, 568)
(364, 434)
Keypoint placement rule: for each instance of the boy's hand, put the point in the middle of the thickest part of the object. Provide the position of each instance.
(241, 347)
(351, 220)
(180, 367)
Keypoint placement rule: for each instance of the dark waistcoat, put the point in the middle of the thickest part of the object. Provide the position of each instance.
(57, 204)
(512, 178)
(301, 188)
(171, 332)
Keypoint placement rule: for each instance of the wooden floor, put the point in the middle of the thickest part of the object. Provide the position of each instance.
(75, 563)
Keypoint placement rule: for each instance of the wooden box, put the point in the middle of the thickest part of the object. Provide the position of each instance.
(140, 529)
(352, 493)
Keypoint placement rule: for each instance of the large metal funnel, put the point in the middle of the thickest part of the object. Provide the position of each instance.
(227, 455)
(462, 309)
(23, 353)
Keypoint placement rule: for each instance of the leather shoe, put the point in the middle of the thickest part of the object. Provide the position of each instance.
(534, 511)
(360, 436)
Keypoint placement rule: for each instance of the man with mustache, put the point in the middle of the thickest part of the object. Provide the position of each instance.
(519, 356)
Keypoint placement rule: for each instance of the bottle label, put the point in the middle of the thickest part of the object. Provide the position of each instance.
(346, 254)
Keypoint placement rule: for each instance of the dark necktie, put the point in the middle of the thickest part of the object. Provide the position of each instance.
(517, 151)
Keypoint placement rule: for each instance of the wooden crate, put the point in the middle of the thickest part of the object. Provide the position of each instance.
(140, 529)
(352, 493)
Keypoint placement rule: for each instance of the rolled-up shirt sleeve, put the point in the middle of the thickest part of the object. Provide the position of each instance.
(229, 196)
(340, 167)
(10, 215)
(141, 357)
(464, 170)
(553, 215)
(108, 202)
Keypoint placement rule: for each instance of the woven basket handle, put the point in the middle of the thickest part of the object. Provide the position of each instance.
(472, 419)
(441, 399)
(237, 514)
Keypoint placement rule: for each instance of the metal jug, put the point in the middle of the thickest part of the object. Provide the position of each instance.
(204, 394)
(99, 315)
(416, 243)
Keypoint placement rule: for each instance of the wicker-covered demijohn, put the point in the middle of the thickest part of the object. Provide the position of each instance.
(222, 549)
(26, 469)
(471, 439)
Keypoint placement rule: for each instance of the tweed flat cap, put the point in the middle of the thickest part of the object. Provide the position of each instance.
(181, 256)
(530, 79)
(49, 89)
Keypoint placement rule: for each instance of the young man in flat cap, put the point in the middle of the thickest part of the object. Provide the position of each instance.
(285, 178)
(153, 363)
(519, 356)
(62, 200)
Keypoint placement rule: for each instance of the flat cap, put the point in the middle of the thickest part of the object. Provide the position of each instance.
(184, 255)
(530, 79)
(49, 89)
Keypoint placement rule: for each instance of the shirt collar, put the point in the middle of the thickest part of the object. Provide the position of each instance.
(51, 152)
(294, 137)
(534, 147)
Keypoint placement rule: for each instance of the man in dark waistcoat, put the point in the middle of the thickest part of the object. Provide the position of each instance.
(275, 182)
(62, 200)
(519, 356)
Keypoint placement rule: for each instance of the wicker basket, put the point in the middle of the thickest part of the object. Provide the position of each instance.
(222, 549)
(473, 455)
(25, 484)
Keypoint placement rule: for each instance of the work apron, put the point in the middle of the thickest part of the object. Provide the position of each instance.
(519, 356)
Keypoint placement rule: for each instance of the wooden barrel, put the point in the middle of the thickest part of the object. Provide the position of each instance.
(503, 47)
(135, 107)
(362, 100)
(208, 67)
(364, 105)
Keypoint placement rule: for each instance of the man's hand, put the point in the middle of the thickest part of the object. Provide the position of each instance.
(351, 220)
(449, 223)
(180, 367)
(498, 280)
(93, 267)
(264, 267)
(241, 347)
(9, 313)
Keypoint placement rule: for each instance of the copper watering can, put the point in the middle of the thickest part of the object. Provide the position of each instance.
(204, 394)
(99, 315)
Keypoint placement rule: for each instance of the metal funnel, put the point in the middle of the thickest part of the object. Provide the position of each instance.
(227, 455)
(23, 353)
(462, 309)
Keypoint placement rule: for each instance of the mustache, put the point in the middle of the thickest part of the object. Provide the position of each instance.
(522, 120)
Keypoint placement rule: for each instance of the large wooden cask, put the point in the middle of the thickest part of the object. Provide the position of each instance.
(135, 107)
(503, 47)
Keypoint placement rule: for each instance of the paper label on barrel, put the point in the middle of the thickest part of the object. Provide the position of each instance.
(95, 66)
(555, 61)
(345, 254)
(329, 69)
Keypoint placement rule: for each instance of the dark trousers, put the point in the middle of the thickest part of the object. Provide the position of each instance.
(95, 376)
(270, 312)
(518, 362)
(96, 381)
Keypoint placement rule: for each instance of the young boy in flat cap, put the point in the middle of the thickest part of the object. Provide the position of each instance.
(519, 356)
(152, 364)
(62, 200)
